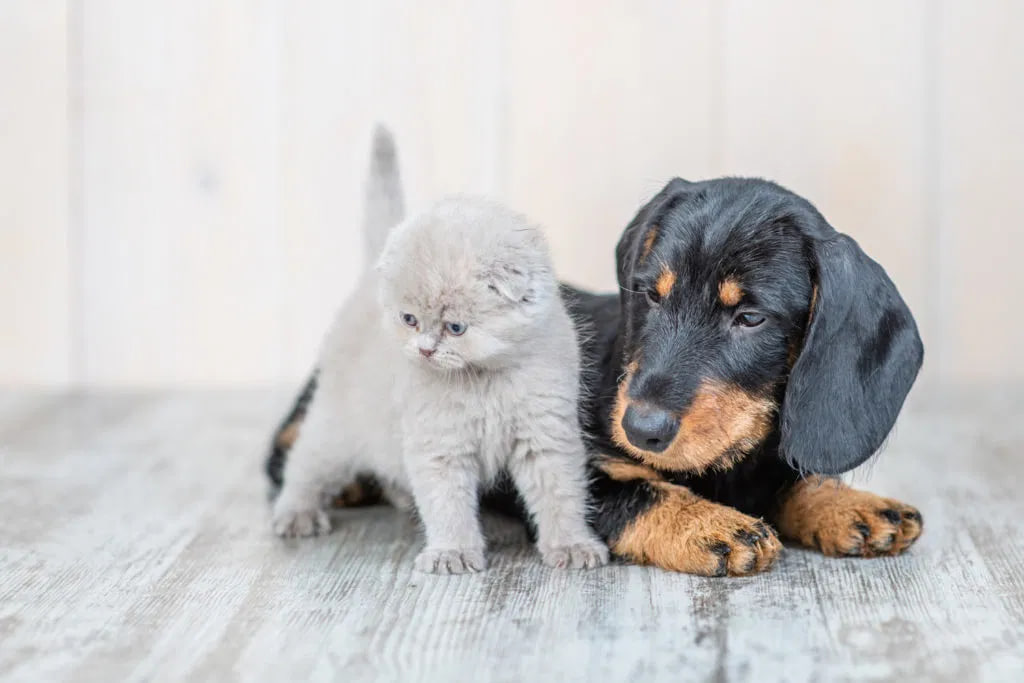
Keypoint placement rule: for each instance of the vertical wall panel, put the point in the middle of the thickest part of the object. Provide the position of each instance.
(215, 156)
(180, 261)
(602, 106)
(829, 99)
(427, 70)
(981, 190)
(35, 334)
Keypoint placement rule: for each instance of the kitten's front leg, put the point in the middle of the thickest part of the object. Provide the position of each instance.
(447, 491)
(550, 478)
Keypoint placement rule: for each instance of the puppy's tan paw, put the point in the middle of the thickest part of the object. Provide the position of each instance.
(587, 554)
(686, 533)
(450, 561)
(292, 522)
(844, 522)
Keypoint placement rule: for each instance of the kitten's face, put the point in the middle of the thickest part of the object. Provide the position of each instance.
(466, 288)
(457, 330)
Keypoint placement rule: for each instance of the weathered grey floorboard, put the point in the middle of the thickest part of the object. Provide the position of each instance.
(134, 545)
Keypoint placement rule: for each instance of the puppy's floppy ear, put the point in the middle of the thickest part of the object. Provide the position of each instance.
(860, 356)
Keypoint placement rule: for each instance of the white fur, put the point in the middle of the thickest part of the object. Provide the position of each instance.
(500, 397)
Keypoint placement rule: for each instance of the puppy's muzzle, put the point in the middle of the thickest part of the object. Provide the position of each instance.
(649, 428)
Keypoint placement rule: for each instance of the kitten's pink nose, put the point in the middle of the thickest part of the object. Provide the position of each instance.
(426, 353)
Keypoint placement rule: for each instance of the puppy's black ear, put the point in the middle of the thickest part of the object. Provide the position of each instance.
(860, 356)
(630, 247)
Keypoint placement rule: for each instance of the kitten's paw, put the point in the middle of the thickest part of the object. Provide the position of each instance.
(290, 522)
(587, 554)
(459, 561)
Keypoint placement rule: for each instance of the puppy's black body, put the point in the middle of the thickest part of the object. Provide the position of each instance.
(751, 345)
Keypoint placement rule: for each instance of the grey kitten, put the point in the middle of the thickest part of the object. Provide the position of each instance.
(489, 383)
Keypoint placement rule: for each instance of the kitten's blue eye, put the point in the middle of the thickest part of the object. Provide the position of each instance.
(410, 320)
(457, 329)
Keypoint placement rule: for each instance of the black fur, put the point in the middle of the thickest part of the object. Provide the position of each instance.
(617, 503)
(860, 358)
(857, 358)
(274, 465)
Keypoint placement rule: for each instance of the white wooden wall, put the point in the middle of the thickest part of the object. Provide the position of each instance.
(180, 181)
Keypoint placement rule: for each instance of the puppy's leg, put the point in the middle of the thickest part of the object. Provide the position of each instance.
(316, 467)
(829, 516)
(548, 469)
(446, 489)
(650, 521)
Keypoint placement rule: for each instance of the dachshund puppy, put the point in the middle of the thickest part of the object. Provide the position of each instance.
(752, 352)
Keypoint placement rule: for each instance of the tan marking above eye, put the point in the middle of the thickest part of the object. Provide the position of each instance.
(649, 238)
(722, 425)
(665, 282)
(729, 292)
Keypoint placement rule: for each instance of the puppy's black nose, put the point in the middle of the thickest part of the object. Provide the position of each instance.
(648, 428)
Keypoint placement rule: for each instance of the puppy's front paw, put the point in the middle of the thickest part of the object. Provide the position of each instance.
(454, 561)
(294, 522)
(844, 522)
(686, 533)
(585, 554)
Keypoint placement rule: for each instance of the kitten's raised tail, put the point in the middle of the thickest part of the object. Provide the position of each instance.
(385, 205)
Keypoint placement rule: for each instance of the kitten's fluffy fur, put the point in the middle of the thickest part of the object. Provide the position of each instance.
(498, 394)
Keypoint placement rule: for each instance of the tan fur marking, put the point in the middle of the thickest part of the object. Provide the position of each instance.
(814, 304)
(721, 426)
(649, 238)
(624, 470)
(828, 515)
(356, 495)
(683, 532)
(793, 355)
(796, 347)
(286, 438)
(665, 282)
(729, 292)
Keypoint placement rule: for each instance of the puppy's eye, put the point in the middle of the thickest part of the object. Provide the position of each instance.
(456, 329)
(748, 319)
(653, 297)
(410, 320)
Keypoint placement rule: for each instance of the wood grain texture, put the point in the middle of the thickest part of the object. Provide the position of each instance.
(135, 545)
(35, 258)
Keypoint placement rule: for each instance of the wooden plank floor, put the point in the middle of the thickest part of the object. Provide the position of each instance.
(134, 545)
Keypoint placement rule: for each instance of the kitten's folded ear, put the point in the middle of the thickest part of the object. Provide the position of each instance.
(512, 281)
